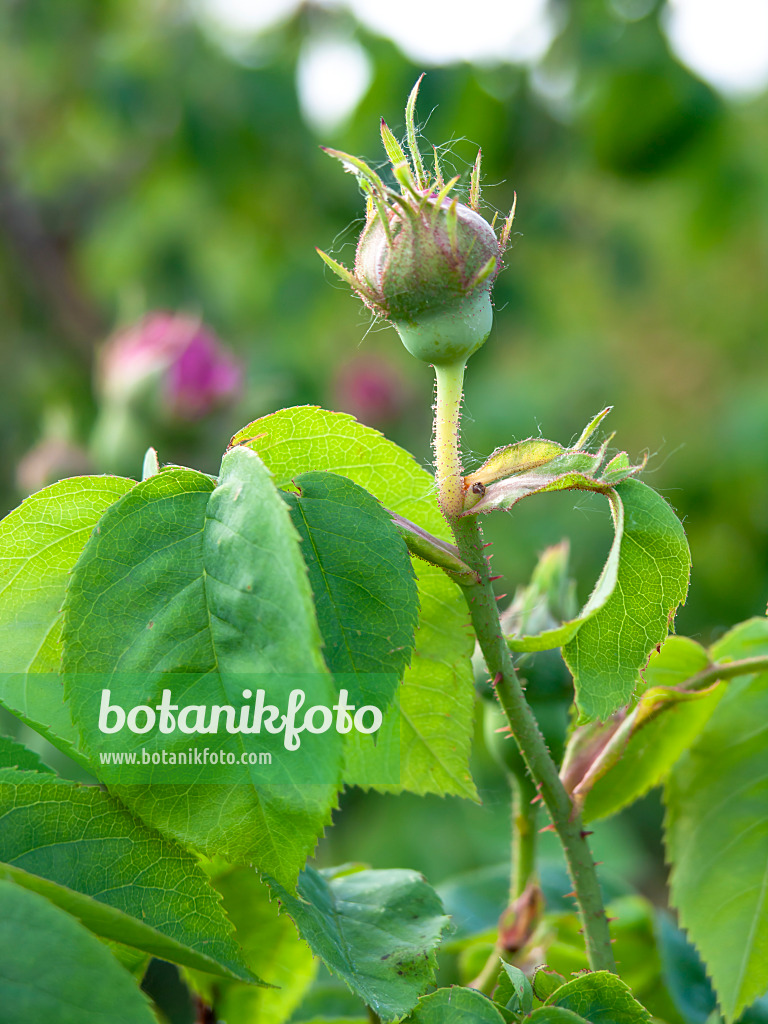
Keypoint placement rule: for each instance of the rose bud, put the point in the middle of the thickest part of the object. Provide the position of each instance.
(425, 261)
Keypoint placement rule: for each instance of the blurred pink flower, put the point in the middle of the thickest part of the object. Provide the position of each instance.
(195, 372)
(370, 388)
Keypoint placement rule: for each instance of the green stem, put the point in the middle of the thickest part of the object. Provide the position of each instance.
(485, 982)
(485, 619)
(448, 471)
(610, 754)
(726, 670)
(433, 550)
(523, 835)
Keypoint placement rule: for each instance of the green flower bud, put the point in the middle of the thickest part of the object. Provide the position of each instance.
(425, 261)
(430, 272)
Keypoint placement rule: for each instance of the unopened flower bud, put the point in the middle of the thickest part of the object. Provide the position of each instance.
(425, 261)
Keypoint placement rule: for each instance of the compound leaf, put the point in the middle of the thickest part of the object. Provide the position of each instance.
(513, 990)
(536, 466)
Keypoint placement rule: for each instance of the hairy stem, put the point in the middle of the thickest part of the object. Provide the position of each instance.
(450, 485)
(525, 729)
(485, 619)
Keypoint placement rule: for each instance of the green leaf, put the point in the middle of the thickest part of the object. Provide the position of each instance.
(536, 466)
(644, 579)
(513, 990)
(188, 586)
(652, 570)
(635, 947)
(135, 961)
(601, 998)
(555, 1015)
(516, 458)
(455, 1006)
(14, 755)
(52, 969)
(678, 659)
(545, 982)
(662, 727)
(684, 973)
(330, 999)
(716, 834)
(362, 581)
(377, 930)
(125, 882)
(40, 542)
(746, 640)
(621, 559)
(273, 951)
(437, 694)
